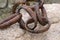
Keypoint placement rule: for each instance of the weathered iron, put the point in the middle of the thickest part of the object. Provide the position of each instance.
(33, 11)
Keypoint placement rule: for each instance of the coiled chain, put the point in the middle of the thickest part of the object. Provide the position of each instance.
(33, 11)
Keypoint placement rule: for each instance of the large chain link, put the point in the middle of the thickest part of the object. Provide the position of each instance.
(33, 11)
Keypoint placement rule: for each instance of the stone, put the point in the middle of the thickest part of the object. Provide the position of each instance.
(16, 33)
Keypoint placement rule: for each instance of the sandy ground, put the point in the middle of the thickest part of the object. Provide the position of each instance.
(16, 33)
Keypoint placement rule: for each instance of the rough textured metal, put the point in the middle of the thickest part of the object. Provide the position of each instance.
(35, 14)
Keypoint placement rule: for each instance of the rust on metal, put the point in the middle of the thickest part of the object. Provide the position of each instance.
(33, 11)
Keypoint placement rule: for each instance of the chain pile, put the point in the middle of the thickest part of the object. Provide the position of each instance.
(33, 11)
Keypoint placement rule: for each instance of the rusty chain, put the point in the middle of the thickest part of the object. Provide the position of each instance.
(35, 14)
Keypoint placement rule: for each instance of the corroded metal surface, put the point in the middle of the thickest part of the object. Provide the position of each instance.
(35, 14)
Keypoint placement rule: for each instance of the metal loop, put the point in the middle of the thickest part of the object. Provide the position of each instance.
(34, 12)
(31, 13)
